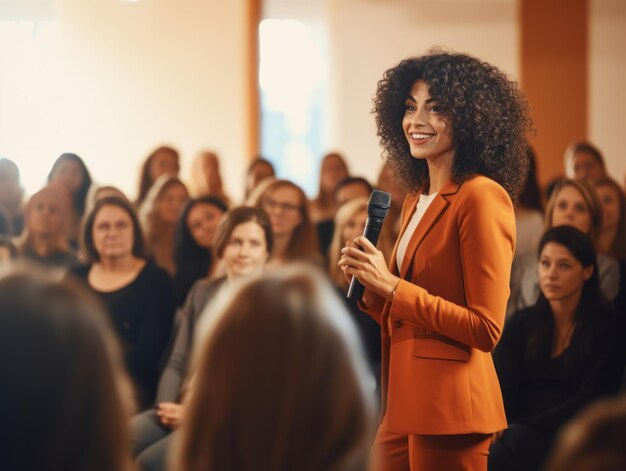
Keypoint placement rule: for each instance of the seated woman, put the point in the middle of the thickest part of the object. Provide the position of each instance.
(193, 240)
(65, 399)
(243, 243)
(349, 223)
(44, 239)
(206, 178)
(556, 356)
(163, 160)
(158, 215)
(70, 172)
(294, 235)
(11, 196)
(572, 203)
(137, 293)
(612, 238)
(258, 170)
(280, 384)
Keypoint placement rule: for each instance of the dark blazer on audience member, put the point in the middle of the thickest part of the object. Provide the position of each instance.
(176, 368)
(141, 313)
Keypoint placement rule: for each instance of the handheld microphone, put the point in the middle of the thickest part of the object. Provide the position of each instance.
(377, 209)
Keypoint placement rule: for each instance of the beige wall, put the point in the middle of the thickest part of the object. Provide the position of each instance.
(368, 37)
(607, 72)
(112, 80)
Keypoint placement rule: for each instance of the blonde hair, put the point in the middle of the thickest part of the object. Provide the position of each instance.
(592, 202)
(281, 382)
(346, 212)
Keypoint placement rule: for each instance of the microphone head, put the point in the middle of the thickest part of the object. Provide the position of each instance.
(378, 204)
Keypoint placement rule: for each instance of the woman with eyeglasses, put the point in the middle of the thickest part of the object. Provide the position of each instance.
(294, 235)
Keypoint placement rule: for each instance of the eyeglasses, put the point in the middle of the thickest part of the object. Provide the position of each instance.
(269, 204)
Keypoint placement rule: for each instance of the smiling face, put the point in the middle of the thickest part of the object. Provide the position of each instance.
(246, 250)
(561, 275)
(202, 222)
(570, 209)
(427, 131)
(113, 234)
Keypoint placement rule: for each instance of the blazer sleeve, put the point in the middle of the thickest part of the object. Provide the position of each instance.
(486, 231)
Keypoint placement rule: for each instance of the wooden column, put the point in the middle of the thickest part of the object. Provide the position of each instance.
(254, 8)
(554, 73)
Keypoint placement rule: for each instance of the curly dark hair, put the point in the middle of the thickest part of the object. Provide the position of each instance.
(487, 111)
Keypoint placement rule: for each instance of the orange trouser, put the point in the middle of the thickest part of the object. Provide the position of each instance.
(394, 452)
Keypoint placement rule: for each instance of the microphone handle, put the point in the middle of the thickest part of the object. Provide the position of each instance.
(371, 232)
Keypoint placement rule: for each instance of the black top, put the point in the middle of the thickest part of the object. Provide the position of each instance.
(547, 392)
(141, 313)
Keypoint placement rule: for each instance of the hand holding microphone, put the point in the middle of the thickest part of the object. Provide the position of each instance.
(361, 259)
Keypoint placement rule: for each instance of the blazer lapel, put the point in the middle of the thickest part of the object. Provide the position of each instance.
(430, 218)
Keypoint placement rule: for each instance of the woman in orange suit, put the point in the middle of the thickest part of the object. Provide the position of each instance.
(453, 127)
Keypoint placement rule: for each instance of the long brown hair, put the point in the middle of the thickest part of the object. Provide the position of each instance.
(280, 382)
(617, 248)
(66, 403)
(145, 179)
(303, 244)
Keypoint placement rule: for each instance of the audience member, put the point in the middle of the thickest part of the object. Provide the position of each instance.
(44, 239)
(529, 218)
(301, 396)
(573, 203)
(70, 171)
(193, 242)
(349, 223)
(556, 356)
(206, 178)
(11, 195)
(387, 182)
(594, 441)
(137, 293)
(584, 161)
(258, 170)
(64, 402)
(348, 189)
(163, 160)
(332, 171)
(351, 188)
(7, 249)
(158, 215)
(612, 238)
(243, 243)
(294, 235)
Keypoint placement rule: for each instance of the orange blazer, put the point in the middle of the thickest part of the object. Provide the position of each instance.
(447, 313)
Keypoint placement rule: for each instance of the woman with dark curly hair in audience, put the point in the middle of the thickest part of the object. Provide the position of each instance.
(453, 127)
(70, 171)
(137, 293)
(557, 356)
(243, 243)
(163, 160)
(193, 240)
(65, 399)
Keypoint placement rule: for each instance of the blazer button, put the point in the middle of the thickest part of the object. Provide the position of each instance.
(398, 324)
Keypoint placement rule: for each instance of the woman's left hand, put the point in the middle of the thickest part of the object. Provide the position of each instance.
(170, 413)
(362, 259)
